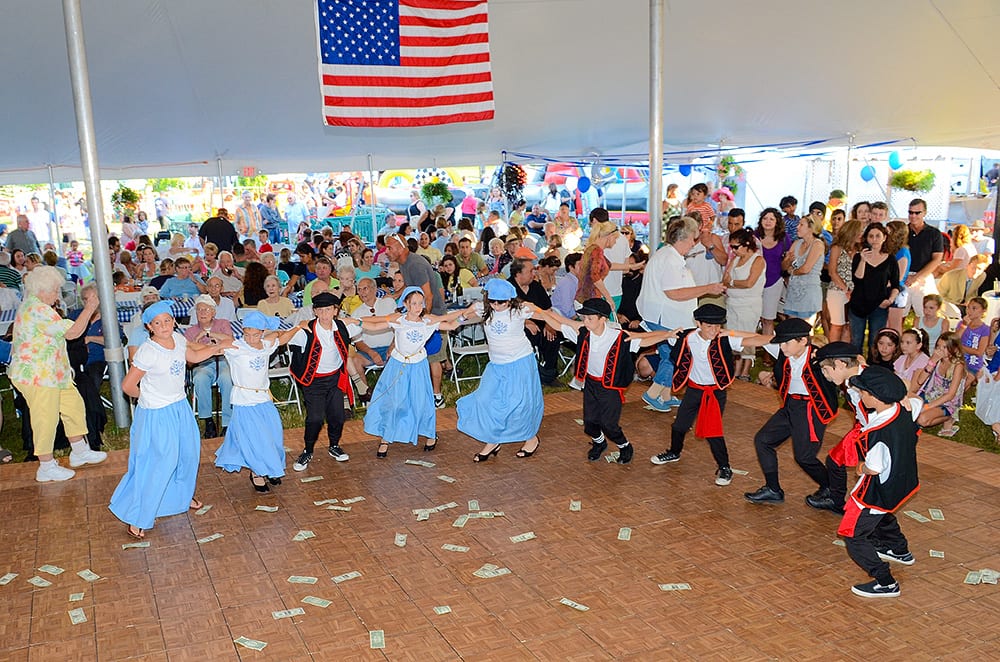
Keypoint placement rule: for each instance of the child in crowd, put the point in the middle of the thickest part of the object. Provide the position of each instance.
(914, 355)
(885, 349)
(264, 244)
(402, 404)
(606, 365)
(940, 385)
(932, 322)
(889, 478)
(974, 335)
(74, 258)
(993, 366)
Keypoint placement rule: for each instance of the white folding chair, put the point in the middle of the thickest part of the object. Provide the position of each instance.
(282, 372)
(952, 312)
(243, 312)
(463, 344)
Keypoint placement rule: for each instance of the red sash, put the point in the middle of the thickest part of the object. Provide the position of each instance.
(845, 453)
(709, 422)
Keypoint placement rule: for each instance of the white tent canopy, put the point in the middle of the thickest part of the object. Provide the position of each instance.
(178, 84)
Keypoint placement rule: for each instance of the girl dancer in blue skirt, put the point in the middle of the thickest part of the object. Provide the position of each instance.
(255, 438)
(507, 407)
(165, 444)
(402, 404)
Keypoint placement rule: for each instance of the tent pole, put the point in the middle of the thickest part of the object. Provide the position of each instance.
(80, 80)
(371, 182)
(55, 213)
(222, 194)
(847, 170)
(654, 204)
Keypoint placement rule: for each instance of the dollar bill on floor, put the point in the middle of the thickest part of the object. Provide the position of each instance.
(300, 579)
(316, 602)
(675, 587)
(473, 504)
(88, 575)
(936, 514)
(51, 569)
(356, 499)
(39, 582)
(288, 613)
(575, 506)
(267, 509)
(214, 536)
(252, 644)
(447, 479)
(611, 458)
(77, 616)
(936, 554)
(579, 421)
(354, 574)
(303, 535)
(575, 605)
(443, 609)
(75, 597)
(376, 639)
(400, 540)
(460, 521)
(204, 509)
(625, 533)
(987, 576)
(420, 463)
(446, 506)
(912, 514)
(423, 516)
(523, 537)
(310, 479)
(135, 545)
(454, 548)
(839, 542)
(8, 578)
(324, 502)
(973, 577)
(741, 472)
(342, 509)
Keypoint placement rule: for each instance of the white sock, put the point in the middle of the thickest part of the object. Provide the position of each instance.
(79, 446)
(599, 440)
(622, 445)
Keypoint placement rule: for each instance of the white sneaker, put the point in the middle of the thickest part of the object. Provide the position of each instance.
(52, 471)
(88, 456)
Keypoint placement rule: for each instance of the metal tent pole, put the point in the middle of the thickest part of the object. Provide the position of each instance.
(371, 183)
(80, 81)
(654, 205)
(222, 195)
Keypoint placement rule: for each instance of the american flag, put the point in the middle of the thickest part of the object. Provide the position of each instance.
(397, 63)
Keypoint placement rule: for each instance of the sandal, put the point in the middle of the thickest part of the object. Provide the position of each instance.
(523, 453)
(382, 451)
(429, 447)
(195, 504)
(486, 456)
(135, 532)
(6, 457)
(259, 486)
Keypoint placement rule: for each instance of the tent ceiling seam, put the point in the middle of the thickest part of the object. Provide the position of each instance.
(968, 48)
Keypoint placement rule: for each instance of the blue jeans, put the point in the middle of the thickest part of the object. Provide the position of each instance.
(665, 371)
(203, 376)
(874, 322)
(273, 235)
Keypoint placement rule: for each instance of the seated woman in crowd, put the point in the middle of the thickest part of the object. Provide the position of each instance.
(274, 303)
(253, 284)
(546, 272)
(146, 269)
(367, 268)
(454, 276)
(940, 385)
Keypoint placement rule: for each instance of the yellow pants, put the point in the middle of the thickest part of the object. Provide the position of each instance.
(47, 405)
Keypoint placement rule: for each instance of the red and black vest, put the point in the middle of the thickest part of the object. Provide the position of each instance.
(305, 361)
(720, 359)
(822, 392)
(900, 435)
(619, 367)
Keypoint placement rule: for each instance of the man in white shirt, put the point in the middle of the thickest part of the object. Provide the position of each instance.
(40, 218)
(193, 242)
(225, 309)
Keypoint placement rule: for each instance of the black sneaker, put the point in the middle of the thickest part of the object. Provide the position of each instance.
(438, 401)
(303, 461)
(724, 476)
(875, 590)
(665, 457)
(766, 495)
(596, 450)
(625, 453)
(337, 453)
(905, 558)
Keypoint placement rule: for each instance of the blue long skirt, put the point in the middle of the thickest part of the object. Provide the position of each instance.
(164, 451)
(402, 404)
(254, 440)
(507, 407)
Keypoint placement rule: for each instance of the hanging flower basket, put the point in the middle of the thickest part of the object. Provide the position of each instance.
(124, 201)
(912, 180)
(435, 193)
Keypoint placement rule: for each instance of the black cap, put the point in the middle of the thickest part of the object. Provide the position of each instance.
(325, 299)
(837, 350)
(710, 313)
(881, 382)
(791, 329)
(304, 247)
(595, 306)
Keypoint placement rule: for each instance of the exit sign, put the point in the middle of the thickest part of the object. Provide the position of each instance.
(248, 171)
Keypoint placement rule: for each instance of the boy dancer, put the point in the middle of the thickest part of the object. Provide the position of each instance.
(606, 365)
(703, 361)
(809, 403)
(888, 479)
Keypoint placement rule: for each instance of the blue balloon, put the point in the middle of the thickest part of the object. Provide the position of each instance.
(868, 173)
(685, 170)
(895, 161)
(583, 184)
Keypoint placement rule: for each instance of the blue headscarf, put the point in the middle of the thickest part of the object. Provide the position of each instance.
(257, 320)
(157, 308)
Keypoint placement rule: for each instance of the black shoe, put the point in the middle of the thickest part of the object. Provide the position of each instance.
(665, 457)
(439, 402)
(303, 462)
(259, 486)
(486, 456)
(824, 503)
(274, 481)
(723, 476)
(875, 590)
(337, 453)
(429, 447)
(905, 558)
(210, 430)
(597, 450)
(222, 432)
(379, 453)
(765, 495)
(625, 453)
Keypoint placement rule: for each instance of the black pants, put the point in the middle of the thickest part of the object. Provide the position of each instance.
(602, 411)
(792, 420)
(549, 351)
(860, 547)
(837, 476)
(324, 403)
(686, 414)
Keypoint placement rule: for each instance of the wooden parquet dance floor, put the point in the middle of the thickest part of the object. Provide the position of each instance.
(767, 582)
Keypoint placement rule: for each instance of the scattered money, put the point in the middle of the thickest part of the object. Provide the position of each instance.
(214, 536)
(530, 535)
(675, 587)
(135, 545)
(611, 458)
(303, 535)
(579, 421)
(420, 463)
(252, 644)
(288, 450)
(76, 616)
(935, 554)
(324, 502)
(316, 602)
(460, 521)
(915, 515)
(575, 506)
(343, 509)
(88, 576)
(489, 571)
(376, 639)
(423, 516)
(288, 613)
(446, 506)
(75, 597)
(310, 479)
(473, 504)
(353, 574)
(486, 514)
(203, 510)
(267, 509)
(400, 540)
(447, 479)
(299, 579)
(988, 576)
(839, 542)
(625, 533)
(8, 578)
(443, 609)
(454, 548)
(39, 582)
(936, 514)
(51, 569)
(575, 605)
(741, 472)
(348, 502)
(973, 577)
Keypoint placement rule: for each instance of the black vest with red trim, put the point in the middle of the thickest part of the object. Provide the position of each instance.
(619, 367)
(899, 434)
(822, 392)
(305, 361)
(720, 359)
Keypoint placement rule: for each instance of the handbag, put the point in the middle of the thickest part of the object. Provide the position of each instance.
(988, 398)
(902, 299)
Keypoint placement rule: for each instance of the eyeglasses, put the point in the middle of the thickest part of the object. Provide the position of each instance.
(734, 246)
(915, 213)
